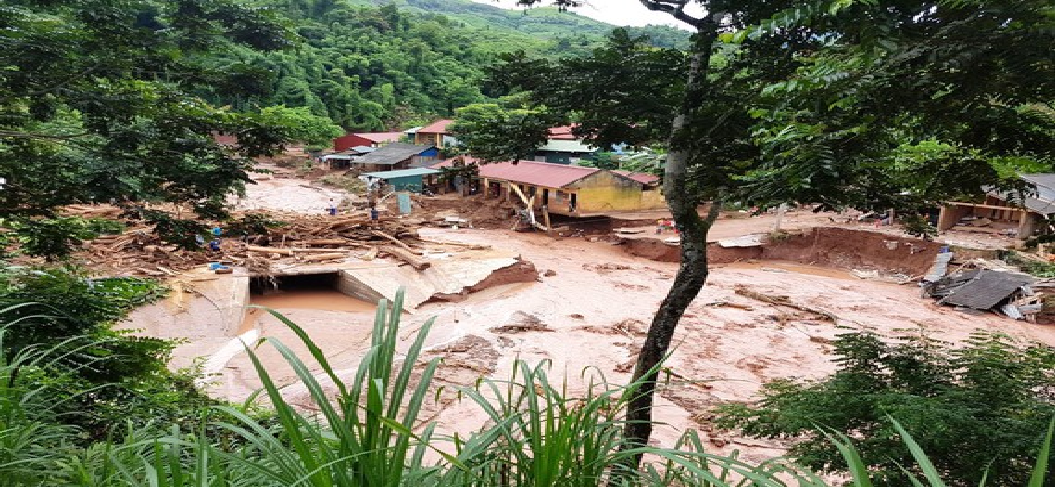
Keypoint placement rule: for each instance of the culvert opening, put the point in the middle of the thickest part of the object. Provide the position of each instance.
(320, 291)
(329, 281)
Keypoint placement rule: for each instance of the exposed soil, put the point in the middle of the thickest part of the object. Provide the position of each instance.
(820, 246)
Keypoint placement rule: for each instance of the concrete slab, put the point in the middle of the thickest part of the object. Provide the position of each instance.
(449, 274)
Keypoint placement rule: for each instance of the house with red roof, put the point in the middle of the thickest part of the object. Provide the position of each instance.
(563, 189)
(368, 139)
(435, 133)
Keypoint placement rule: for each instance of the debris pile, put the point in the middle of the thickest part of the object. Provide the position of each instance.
(986, 285)
(303, 239)
(324, 238)
(138, 251)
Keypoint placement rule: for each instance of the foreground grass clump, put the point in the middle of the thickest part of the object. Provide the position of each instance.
(367, 431)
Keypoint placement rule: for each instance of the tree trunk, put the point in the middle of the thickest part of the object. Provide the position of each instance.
(692, 273)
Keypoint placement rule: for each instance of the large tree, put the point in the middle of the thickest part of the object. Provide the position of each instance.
(813, 102)
(97, 106)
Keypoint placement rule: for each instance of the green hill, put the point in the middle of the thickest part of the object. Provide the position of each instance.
(543, 22)
(372, 65)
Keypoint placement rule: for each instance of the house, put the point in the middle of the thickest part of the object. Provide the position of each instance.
(570, 190)
(369, 139)
(1011, 213)
(413, 179)
(563, 151)
(344, 160)
(563, 147)
(435, 134)
(396, 156)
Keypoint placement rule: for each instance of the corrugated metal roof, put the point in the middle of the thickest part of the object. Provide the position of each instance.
(536, 173)
(640, 177)
(394, 153)
(381, 136)
(401, 173)
(437, 127)
(529, 172)
(986, 288)
(563, 133)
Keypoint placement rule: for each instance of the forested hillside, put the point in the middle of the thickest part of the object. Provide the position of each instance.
(371, 67)
(546, 22)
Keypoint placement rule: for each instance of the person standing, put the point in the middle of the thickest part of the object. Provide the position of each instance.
(333, 207)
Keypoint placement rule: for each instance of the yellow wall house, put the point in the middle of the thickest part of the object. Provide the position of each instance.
(571, 190)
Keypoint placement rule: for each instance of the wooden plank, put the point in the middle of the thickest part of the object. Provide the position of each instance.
(986, 207)
(410, 258)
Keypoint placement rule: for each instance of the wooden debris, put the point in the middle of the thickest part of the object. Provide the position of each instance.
(395, 241)
(324, 257)
(410, 258)
(786, 302)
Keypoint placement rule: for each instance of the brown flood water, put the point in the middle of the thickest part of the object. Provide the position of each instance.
(322, 299)
(328, 300)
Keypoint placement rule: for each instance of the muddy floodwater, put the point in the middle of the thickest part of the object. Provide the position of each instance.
(331, 300)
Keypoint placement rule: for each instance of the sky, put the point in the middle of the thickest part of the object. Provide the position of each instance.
(617, 12)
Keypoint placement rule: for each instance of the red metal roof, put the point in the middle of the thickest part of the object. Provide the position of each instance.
(529, 172)
(643, 178)
(380, 136)
(437, 127)
(563, 133)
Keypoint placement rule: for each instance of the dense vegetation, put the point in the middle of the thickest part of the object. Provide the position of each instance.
(375, 67)
(977, 409)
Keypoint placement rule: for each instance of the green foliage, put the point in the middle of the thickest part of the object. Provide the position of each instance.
(497, 134)
(1032, 266)
(96, 378)
(96, 108)
(919, 226)
(301, 125)
(977, 410)
(889, 115)
(252, 224)
(639, 112)
(48, 237)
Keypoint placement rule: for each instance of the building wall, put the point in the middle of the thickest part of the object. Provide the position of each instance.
(428, 139)
(406, 183)
(341, 144)
(605, 192)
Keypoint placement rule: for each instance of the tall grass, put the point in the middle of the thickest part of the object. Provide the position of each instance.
(365, 431)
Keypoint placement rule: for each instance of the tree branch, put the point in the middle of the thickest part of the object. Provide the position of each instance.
(675, 8)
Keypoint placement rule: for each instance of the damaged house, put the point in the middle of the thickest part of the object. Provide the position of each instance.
(1009, 214)
(574, 191)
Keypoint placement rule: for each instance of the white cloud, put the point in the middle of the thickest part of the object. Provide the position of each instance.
(616, 12)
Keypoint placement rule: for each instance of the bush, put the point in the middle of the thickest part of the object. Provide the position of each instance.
(976, 410)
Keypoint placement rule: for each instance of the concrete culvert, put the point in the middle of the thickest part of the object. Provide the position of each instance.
(264, 285)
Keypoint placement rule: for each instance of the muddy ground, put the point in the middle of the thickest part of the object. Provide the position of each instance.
(592, 304)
